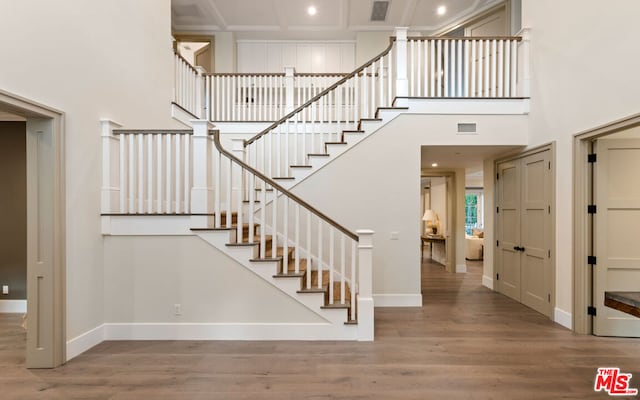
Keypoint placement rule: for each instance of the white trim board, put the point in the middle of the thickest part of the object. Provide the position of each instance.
(563, 318)
(487, 281)
(397, 300)
(84, 342)
(461, 268)
(13, 306)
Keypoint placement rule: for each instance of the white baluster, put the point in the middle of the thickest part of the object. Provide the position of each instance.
(418, 62)
(320, 250)
(432, 76)
(494, 57)
(308, 286)
(507, 69)
(252, 199)
(285, 234)
(263, 219)
(500, 61)
(453, 69)
(178, 173)
(467, 68)
(343, 263)
(480, 61)
(487, 67)
(331, 263)
(159, 174)
(150, 171)
(274, 225)
(412, 68)
(445, 69)
(132, 174)
(354, 279)
(297, 239)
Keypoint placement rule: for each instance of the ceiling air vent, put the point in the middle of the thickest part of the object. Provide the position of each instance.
(379, 10)
(466, 128)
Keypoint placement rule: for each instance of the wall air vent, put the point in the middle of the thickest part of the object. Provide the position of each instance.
(467, 128)
(379, 10)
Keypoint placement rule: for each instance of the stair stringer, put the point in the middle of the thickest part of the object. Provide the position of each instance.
(336, 150)
(335, 327)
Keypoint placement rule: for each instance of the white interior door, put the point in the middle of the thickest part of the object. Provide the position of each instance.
(617, 219)
(508, 281)
(535, 243)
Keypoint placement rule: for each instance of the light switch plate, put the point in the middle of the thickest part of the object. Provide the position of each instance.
(5, 289)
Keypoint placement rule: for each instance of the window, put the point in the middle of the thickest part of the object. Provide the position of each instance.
(473, 218)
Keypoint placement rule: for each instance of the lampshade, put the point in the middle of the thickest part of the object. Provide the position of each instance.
(429, 215)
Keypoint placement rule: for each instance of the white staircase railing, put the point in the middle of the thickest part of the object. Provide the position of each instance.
(188, 88)
(323, 118)
(189, 173)
(483, 67)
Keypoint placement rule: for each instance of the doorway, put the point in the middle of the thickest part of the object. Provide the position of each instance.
(607, 211)
(45, 244)
(197, 50)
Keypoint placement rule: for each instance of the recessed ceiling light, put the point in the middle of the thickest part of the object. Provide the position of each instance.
(442, 10)
(435, 164)
(312, 10)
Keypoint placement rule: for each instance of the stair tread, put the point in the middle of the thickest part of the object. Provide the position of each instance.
(224, 228)
(301, 166)
(317, 155)
(284, 177)
(335, 143)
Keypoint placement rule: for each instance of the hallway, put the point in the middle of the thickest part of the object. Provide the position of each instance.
(465, 343)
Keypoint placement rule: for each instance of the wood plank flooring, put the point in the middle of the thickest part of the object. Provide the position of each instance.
(467, 342)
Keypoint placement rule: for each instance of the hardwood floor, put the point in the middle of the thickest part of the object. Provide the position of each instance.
(467, 342)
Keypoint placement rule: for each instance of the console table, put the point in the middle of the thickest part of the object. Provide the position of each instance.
(430, 239)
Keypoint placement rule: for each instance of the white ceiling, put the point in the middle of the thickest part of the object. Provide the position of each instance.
(335, 19)
(468, 157)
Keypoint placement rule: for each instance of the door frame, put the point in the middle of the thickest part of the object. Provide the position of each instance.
(180, 37)
(46, 314)
(551, 146)
(582, 246)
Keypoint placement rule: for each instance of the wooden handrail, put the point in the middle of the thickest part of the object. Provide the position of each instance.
(321, 94)
(420, 38)
(244, 74)
(272, 183)
(186, 62)
(152, 132)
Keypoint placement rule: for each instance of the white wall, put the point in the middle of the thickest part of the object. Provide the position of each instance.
(145, 276)
(584, 74)
(79, 60)
(224, 48)
(304, 56)
(370, 44)
(376, 185)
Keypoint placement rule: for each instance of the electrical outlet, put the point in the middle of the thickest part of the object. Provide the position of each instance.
(178, 309)
(5, 289)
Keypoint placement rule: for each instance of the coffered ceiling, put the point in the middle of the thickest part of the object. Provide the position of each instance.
(335, 19)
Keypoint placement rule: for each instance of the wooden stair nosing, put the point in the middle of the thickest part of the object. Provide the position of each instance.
(290, 275)
(284, 178)
(389, 108)
(318, 155)
(300, 166)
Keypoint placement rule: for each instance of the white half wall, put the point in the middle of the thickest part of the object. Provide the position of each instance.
(147, 276)
(376, 185)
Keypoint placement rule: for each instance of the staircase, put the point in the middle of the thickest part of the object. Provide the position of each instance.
(239, 201)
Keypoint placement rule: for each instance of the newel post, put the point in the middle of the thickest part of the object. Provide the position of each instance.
(237, 148)
(365, 285)
(524, 61)
(289, 84)
(110, 194)
(402, 83)
(202, 189)
(201, 103)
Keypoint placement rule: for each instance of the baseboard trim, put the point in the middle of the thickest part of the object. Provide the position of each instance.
(487, 281)
(461, 268)
(397, 300)
(563, 318)
(13, 306)
(229, 331)
(85, 341)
